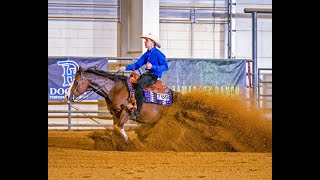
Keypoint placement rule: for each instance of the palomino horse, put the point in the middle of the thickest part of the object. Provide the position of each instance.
(114, 88)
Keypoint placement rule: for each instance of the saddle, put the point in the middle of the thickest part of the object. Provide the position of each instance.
(156, 93)
(157, 87)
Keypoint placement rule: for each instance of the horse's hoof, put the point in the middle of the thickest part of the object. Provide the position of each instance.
(126, 138)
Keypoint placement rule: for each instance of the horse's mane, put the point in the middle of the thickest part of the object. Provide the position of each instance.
(114, 77)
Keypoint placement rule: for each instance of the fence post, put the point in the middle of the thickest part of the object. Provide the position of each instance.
(69, 116)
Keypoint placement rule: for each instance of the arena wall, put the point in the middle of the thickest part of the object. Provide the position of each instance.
(181, 36)
(83, 38)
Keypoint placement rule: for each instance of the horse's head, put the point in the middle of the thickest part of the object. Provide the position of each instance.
(78, 86)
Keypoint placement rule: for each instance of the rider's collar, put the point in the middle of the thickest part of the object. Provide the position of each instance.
(152, 49)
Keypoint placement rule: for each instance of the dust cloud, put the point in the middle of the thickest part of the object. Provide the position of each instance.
(198, 122)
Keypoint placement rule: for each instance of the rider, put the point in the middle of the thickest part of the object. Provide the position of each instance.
(155, 62)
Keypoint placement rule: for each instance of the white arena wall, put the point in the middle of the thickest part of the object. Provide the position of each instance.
(83, 38)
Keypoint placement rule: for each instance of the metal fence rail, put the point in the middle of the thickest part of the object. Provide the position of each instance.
(264, 89)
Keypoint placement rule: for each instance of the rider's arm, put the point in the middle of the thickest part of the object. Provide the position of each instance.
(137, 64)
(162, 63)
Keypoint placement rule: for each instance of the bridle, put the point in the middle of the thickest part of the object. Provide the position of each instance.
(77, 83)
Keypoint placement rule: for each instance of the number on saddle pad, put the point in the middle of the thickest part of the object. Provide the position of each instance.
(158, 93)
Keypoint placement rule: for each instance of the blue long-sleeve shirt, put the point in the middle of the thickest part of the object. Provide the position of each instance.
(156, 58)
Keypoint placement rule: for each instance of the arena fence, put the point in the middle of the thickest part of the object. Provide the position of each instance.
(265, 89)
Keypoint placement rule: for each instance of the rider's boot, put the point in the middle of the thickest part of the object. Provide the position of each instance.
(139, 98)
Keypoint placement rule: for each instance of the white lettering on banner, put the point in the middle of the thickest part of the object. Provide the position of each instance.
(164, 97)
(56, 97)
(59, 91)
(223, 89)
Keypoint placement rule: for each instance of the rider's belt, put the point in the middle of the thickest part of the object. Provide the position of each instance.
(148, 72)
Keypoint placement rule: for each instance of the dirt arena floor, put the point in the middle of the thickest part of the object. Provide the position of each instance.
(202, 136)
(71, 155)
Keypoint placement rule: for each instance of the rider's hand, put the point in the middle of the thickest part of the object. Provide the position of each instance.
(122, 68)
(149, 65)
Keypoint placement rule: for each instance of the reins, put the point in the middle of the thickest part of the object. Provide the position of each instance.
(118, 72)
(87, 95)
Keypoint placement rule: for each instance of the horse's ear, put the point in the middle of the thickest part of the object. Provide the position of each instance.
(79, 68)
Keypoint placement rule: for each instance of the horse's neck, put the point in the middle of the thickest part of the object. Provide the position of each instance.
(106, 87)
(101, 84)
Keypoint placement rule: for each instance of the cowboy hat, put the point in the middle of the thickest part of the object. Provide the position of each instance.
(153, 37)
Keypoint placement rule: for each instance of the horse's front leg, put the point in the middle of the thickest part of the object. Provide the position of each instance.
(124, 117)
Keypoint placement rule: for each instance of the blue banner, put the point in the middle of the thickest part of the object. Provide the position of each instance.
(214, 75)
(62, 70)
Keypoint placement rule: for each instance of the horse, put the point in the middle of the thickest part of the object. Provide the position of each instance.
(114, 88)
